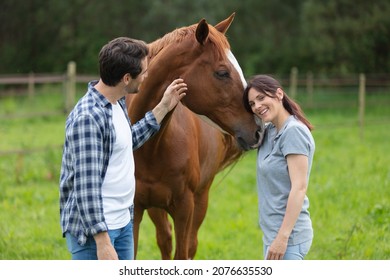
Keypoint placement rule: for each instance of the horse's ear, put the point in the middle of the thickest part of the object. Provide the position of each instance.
(224, 25)
(202, 31)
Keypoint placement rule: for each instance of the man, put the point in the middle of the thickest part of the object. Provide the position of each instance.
(97, 183)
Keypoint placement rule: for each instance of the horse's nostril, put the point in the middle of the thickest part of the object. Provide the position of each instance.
(259, 132)
(257, 135)
(259, 138)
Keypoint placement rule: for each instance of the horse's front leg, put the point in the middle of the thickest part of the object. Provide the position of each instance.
(138, 214)
(182, 216)
(160, 220)
(200, 209)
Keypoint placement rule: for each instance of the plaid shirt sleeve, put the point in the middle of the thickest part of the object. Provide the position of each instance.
(144, 129)
(88, 152)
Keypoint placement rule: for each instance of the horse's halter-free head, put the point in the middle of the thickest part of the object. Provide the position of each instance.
(202, 35)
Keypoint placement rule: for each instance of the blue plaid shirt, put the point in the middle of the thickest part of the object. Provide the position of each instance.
(89, 140)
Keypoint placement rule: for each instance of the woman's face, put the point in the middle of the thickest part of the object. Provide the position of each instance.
(265, 107)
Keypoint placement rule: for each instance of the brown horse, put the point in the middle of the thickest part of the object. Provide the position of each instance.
(175, 168)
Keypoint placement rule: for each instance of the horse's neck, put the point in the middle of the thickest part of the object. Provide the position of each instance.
(154, 48)
(145, 100)
(154, 86)
(151, 93)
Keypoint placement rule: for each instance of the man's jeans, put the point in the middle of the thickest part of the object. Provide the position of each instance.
(122, 240)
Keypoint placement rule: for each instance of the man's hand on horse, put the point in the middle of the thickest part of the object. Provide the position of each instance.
(172, 95)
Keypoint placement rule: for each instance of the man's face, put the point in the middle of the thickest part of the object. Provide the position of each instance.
(134, 84)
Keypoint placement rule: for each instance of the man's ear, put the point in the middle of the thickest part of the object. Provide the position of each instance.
(127, 78)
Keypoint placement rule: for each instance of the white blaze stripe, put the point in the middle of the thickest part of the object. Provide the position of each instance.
(234, 61)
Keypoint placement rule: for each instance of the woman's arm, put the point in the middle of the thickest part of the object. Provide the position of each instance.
(298, 168)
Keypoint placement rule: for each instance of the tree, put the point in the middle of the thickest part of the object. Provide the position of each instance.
(346, 36)
(269, 36)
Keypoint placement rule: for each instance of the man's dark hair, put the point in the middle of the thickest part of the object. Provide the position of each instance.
(121, 56)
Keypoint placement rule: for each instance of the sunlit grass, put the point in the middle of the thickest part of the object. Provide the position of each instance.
(349, 193)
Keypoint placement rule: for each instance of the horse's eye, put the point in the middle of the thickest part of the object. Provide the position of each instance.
(222, 74)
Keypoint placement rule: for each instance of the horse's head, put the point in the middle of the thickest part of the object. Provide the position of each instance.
(201, 55)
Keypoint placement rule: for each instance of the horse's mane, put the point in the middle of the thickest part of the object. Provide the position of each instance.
(215, 37)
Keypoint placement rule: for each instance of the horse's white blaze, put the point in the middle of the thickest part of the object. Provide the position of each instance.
(234, 61)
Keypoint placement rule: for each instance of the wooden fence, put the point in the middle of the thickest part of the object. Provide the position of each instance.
(293, 82)
(68, 80)
(360, 80)
(309, 83)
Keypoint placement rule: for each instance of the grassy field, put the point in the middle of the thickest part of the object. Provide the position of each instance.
(349, 191)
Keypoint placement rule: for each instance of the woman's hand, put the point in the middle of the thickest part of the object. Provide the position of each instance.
(277, 249)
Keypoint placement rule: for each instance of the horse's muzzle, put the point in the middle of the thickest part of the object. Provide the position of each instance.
(257, 139)
(259, 133)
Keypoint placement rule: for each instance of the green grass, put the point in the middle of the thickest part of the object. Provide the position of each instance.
(349, 196)
(48, 99)
(33, 133)
(29, 222)
(349, 193)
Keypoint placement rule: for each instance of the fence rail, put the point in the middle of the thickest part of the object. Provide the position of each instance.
(295, 83)
(25, 79)
(295, 80)
(31, 78)
(68, 79)
(42, 79)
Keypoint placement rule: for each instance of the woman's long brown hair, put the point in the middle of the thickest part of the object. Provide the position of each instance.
(268, 85)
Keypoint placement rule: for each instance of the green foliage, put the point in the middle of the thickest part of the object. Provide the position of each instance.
(346, 36)
(266, 36)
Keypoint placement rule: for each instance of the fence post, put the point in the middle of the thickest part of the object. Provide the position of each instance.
(70, 88)
(310, 88)
(362, 102)
(31, 86)
(293, 82)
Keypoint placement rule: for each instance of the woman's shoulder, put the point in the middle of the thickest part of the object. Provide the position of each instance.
(298, 129)
(297, 139)
(296, 124)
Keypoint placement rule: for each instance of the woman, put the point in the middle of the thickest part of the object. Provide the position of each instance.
(283, 168)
